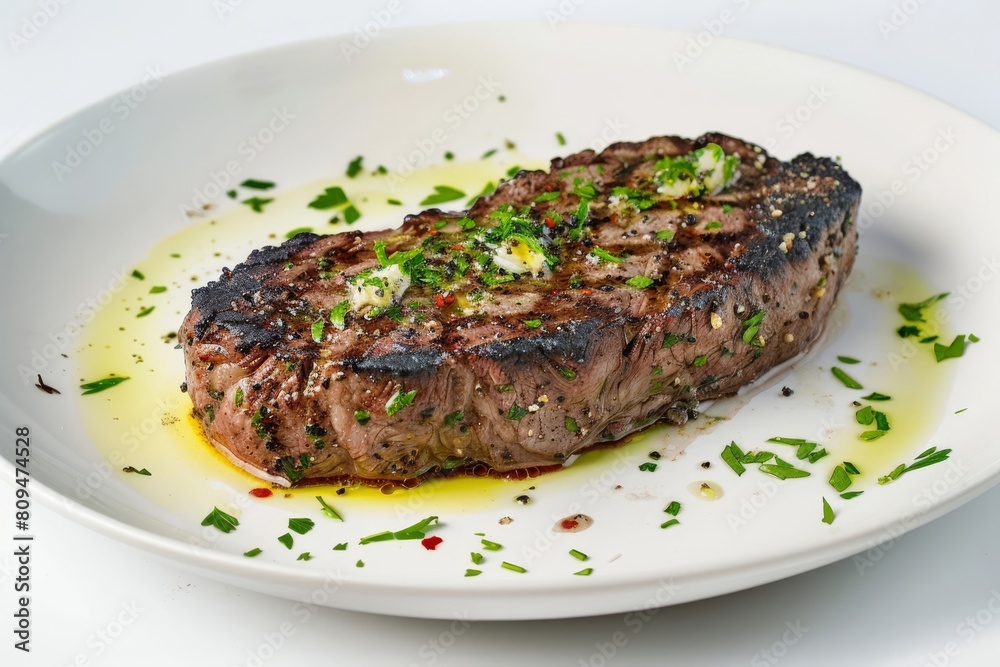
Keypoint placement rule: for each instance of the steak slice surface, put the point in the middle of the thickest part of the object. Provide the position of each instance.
(566, 309)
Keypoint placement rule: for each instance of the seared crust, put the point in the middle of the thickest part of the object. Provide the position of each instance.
(607, 358)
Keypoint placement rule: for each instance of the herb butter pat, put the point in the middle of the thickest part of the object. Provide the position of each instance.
(379, 288)
(707, 170)
(517, 256)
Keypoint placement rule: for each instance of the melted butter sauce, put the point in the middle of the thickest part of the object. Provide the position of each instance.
(917, 383)
(146, 423)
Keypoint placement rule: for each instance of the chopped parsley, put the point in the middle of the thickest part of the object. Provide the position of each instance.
(751, 326)
(926, 458)
(846, 379)
(137, 471)
(362, 416)
(601, 253)
(351, 214)
(257, 204)
(145, 311)
(301, 526)
(442, 194)
(516, 412)
(327, 510)
(415, 532)
(317, 330)
(339, 312)
(848, 360)
(287, 540)
(512, 567)
(330, 198)
(639, 200)
(639, 282)
(560, 139)
(665, 235)
(669, 340)
(914, 312)
(782, 470)
(840, 479)
(953, 351)
(865, 416)
(732, 454)
(673, 509)
(828, 515)
(101, 385)
(256, 551)
(354, 167)
(221, 520)
(157, 289)
(566, 372)
(255, 184)
(735, 459)
(817, 455)
(804, 448)
(399, 400)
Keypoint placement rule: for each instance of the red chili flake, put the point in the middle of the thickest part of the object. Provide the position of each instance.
(458, 246)
(430, 543)
(260, 492)
(549, 222)
(449, 298)
(432, 232)
(569, 524)
(439, 300)
(586, 291)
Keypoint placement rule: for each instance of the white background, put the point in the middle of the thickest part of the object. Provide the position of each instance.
(97, 602)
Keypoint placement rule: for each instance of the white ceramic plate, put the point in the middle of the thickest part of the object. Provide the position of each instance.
(90, 199)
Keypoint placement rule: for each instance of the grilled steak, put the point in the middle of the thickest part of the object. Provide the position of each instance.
(568, 308)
